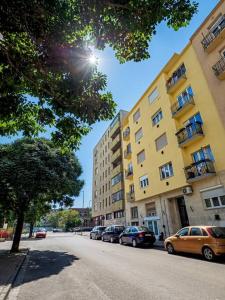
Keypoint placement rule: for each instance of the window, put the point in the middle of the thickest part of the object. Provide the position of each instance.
(215, 29)
(118, 196)
(154, 95)
(166, 171)
(117, 179)
(161, 142)
(106, 187)
(131, 188)
(144, 181)
(109, 200)
(106, 202)
(108, 216)
(202, 154)
(157, 117)
(195, 119)
(136, 116)
(134, 212)
(118, 214)
(150, 209)
(195, 231)
(183, 232)
(138, 135)
(185, 96)
(141, 156)
(215, 202)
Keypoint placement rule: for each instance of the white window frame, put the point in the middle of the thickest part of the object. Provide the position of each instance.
(211, 202)
(136, 115)
(141, 157)
(157, 117)
(167, 170)
(143, 181)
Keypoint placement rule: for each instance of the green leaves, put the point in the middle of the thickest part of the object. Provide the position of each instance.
(44, 53)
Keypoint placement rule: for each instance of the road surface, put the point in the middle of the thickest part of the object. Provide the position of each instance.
(68, 266)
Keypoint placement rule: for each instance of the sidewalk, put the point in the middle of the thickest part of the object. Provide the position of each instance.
(9, 267)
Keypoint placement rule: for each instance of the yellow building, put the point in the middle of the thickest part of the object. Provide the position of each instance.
(174, 151)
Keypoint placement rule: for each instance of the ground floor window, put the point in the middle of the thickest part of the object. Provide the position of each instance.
(118, 214)
(134, 223)
(215, 202)
(134, 212)
(108, 216)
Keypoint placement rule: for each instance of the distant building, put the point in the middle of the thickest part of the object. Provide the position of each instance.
(85, 215)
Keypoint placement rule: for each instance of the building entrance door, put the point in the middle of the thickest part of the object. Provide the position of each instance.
(182, 211)
(153, 226)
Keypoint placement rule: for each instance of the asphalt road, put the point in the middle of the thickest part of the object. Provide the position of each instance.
(66, 266)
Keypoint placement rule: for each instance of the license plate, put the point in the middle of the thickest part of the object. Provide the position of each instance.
(147, 234)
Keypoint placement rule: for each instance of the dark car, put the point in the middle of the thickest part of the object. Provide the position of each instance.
(137, 235)
(112, 233)
(96, 232)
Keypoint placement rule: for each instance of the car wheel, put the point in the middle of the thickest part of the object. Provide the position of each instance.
(121, 241)
(208, 254)
(111, 240)
(134, 243)
(170, 248)
(90, 237)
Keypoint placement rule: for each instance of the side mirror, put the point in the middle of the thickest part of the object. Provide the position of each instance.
(177, 235)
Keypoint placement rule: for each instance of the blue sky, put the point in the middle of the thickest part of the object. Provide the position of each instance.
(128, 81)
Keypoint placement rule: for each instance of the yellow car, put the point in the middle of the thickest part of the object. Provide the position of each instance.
(208, 241)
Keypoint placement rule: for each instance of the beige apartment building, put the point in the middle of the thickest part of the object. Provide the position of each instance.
(209, 44)
(108, 203)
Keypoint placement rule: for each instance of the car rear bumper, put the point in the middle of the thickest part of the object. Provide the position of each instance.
(146, 241)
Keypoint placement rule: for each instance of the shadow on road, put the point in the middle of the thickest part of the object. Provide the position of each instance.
(46, 263)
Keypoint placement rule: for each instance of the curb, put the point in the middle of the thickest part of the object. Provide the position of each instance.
(4, 294)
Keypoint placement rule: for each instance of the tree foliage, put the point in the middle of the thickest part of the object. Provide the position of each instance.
(35, 173)
(66, 219)
(44, 51)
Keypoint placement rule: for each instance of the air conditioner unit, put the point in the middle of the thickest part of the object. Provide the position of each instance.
(187, 190)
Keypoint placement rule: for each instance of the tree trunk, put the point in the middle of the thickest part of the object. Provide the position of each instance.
(18, 232)
(31, 230)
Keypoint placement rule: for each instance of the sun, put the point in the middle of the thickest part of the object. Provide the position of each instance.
(93, 60)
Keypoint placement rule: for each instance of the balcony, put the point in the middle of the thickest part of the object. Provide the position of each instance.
(115, 144)
(178, 109)
(127, 154)
(129, 174)
(115, 129)
(126, 134)
(189, 134)
(116, 157)
(213, 39)
(130, 197)
(116, 170)
(199, 170)
(176, 80)
(219, 68)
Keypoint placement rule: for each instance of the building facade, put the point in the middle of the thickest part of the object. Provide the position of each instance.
(108, 203)
(175, 173)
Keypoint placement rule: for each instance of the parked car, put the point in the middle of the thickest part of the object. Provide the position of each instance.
(57, 230)
(112, 233)
(208, 241)
(3, 234)
(137, 235)
(96, 232)
(41, 233)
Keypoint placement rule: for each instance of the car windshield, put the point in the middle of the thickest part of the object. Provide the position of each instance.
(119, 228)
(101, 228)
(41, 229)
(143, 228)
(218, 232)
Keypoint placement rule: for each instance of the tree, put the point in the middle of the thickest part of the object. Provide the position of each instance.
(36, 211)
(34, 171)
(66, 219)
(44, 52)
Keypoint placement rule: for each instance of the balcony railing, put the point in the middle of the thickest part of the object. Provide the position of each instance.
(219, 68)
(211, 37)
(200, 169)
(126, 133)
(176, 79)
(189, 133)
(177, 108)
(127, 154)
(129, 173)
(130, 197)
